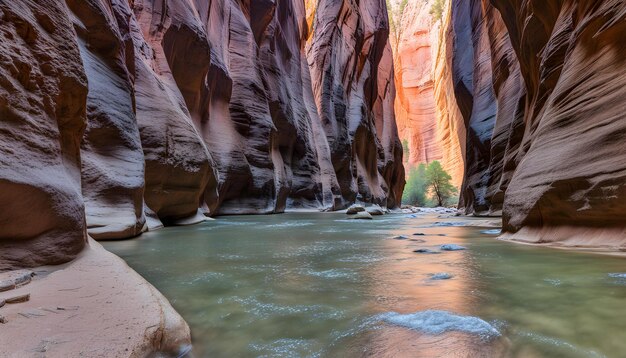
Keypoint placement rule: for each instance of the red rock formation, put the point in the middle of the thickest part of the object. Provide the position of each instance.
(541, 93)
(187, 108)
(450, 123)
(111, 153)
(349, 43)
(421, 122)
(43, 96)
(179, 169)
(571, 165)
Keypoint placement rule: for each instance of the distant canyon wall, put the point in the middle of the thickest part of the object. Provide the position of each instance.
(117, 116)
(424, 122)
(539, 86)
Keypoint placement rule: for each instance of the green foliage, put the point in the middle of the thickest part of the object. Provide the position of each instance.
(429, 185)
(437, 10)
(416, 187)
(439, 182)
(406, 149)
(395, 16)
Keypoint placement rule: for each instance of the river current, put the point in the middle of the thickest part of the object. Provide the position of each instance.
(319, 285)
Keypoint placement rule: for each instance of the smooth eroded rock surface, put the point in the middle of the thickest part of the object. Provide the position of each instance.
(541, 91)
(119, 117)
(95, 306)
(43, 101)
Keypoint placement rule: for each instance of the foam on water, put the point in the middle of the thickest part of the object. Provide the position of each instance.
(452, 247)
(492, 232)
(566, 348)
(285, 347)
(361, 258)
(291, 224)
(333, 273)
(438, 322)
(553, 281)
(618, 275)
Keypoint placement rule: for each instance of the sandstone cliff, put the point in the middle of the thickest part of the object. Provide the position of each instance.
(540, 90)
(120, 116)
(351, 70)
(423, 121)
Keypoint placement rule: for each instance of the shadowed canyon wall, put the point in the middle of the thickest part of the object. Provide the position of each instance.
(540, 89)
(119, 116)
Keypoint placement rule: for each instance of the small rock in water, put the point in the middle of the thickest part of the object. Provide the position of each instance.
(441, 276)
(18, 299)
(363, 215)
(3, 320)
(419, 234)
(426, 251)
(354, 209)
(400, 237)
(452, 247)
(375, 210)
(2, 303)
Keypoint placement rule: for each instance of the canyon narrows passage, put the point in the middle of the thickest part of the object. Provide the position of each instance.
(122, 117)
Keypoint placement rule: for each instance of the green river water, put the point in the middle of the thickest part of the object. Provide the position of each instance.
(318, 285)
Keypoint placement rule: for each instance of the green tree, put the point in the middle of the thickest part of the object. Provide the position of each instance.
(406, 149)
(438, 180)
(416, 189)
(437, 10)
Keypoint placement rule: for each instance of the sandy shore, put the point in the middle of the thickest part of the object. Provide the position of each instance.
(94, 306)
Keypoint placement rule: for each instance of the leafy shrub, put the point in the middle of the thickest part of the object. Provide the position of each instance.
(429, 185)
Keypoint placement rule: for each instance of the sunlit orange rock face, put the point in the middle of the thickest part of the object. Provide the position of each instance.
(422, 122)
(541, 90)
(120, 116)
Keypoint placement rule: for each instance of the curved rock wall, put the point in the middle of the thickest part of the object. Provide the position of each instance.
(541, 94)
(573, 62)
(120, 116)
(43, 104)
(348, 46)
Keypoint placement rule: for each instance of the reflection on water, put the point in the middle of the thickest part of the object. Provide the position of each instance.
(316, 285)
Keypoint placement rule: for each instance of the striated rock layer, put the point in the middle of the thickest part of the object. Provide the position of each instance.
(43, 104)
(541, 92)
(352, 75)
(121, 116)
(423, 122)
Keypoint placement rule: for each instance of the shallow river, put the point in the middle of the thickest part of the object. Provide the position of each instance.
(317, 285)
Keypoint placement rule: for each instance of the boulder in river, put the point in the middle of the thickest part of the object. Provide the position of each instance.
(400, 237)
(426, 251)
(441, 276)
(376, 210)
(354, 209)
(363, 215)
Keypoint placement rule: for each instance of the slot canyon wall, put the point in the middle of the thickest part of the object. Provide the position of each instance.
(429, 130)
(540, 89)
(118, 116)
